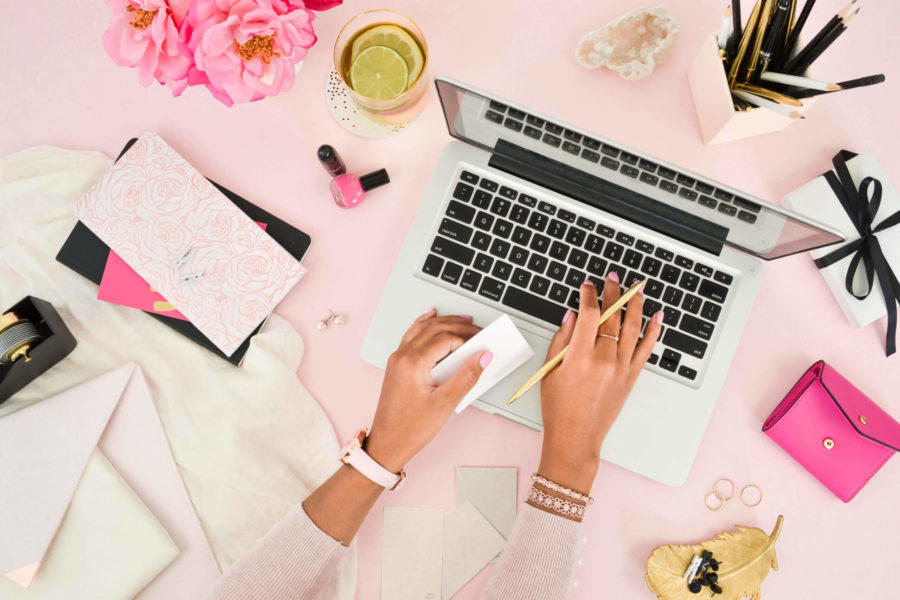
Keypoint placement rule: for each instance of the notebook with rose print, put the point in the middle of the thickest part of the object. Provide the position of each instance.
(211, 261)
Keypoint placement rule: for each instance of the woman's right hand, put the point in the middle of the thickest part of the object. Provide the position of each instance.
(582, 397)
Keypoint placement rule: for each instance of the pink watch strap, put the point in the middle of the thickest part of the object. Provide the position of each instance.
(357, 458)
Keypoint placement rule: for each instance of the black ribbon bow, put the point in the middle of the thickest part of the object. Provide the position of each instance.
(861, 205)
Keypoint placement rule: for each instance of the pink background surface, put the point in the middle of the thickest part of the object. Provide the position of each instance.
(60, 88)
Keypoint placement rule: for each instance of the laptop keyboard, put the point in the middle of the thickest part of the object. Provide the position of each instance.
(531, 255)
(645, 171)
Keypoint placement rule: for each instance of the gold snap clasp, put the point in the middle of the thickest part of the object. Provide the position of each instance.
(863, 419)
(828, 443)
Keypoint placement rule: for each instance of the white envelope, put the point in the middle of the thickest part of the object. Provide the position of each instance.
(45, 449)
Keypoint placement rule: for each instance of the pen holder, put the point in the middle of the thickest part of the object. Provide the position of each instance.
(719, 121)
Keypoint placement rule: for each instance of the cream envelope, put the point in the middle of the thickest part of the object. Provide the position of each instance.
(45, 448)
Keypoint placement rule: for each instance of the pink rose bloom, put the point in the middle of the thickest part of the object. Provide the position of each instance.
(146, 34)
(245, 50)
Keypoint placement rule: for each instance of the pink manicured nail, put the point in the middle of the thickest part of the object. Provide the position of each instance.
(588, 282)
(659, 316)
(486, 359)
(641, 289)
(566, 316)
(429, 311)
(613, 276)
(466, 316)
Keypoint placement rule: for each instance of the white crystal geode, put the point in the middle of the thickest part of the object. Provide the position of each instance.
(632, 44)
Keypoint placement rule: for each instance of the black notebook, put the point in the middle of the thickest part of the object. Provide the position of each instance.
(86, 254)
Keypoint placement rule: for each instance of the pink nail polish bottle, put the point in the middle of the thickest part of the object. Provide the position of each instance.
(349, 190)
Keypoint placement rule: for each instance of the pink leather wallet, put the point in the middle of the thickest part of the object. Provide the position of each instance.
(835, 431)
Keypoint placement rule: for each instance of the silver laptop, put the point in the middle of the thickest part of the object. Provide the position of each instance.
(524, 207)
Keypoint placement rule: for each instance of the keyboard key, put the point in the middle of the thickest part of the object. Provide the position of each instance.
(553, 128)
(668, 365)
(489, 185)
(537, 263)
(668, 186)
(687, 194)
(500, 206)
(533, 132)
(671, 315)
(624, 238)
(654, 358)
(590, 155)
(723, 278)
(618, 270)
(647, 165)
(577, 258)
(594, 244)
(502, 270)
(455, 231)
(703, 270)
(685, 180)
(482, 199)
(610, 151)
(689, 281)
(669, 354)
(665, 172)
(551, 140)
(632, 258)
(648, 178)
(537, 221)
(684, 263)
(519, 214)
(463, 191)
(613, 251)
(651, 307)
(575, 236)
(557, 271)
(433, 265)
(508, 192)
(673, 295)
(483, 262)
(470, 280)
(747, 217)
(746, 205)
(605, 230)
(707, 202)
(540, 285)
(651, 266)
(536, 121)
(691, 304)
(559, 250)
(481, 240)
(528, 200)
(521, 235)
(630, 171)
(494, 117)
(723, 195)
(565, 215)
(498, 107)
(484, 221)
(702, 329)
(557, 229)
(460, 211)
(597, 266)
(516, 113)
(670, 274)
(631, 159)
(574, 300)
(591, 143)
(610, 163)
(452, 273)
(500, 248)
(653, 288)
(452, 250)
(547, 208)
(572, 135)
(684, 343)
(664, 254)
(558, 292)
(571, 148)
(519, 256)
(586, 223)
(502, 228)
(491, 288)
(632, 278)
(539, 242)
(521, 277)
(713, 291)
(710, 311)
(687, 372)
(704, 188)
(727, 209)
(575, 277)
(511, 123)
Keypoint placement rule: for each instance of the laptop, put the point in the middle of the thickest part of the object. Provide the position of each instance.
(523, 207)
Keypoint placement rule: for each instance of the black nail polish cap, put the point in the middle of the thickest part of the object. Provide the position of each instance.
(329, 158)
(374, 179)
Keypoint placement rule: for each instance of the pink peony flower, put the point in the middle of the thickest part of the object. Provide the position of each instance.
(146, 34)
(286, 5)
(245, 50)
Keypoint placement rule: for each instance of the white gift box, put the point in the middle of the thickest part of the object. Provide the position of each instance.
(817, 200)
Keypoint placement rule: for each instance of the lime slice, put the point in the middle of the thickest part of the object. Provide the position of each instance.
(397, 39)
(379, 72)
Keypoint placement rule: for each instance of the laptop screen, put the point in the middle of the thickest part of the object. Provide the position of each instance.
(583, 160)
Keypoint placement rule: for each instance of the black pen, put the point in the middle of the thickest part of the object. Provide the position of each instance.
(736, 33)
(795, 32)
(775, 33)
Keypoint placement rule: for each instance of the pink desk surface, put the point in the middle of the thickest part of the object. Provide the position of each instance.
(59, 87)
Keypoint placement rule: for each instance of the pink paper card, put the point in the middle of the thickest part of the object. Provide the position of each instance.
(189, 242)
(122, 285)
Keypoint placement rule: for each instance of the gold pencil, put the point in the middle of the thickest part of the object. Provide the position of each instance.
(742, 46)
(554, 362)
(768, 94)
(761, 30)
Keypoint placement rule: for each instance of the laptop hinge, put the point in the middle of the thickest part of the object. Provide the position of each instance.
(608, 196)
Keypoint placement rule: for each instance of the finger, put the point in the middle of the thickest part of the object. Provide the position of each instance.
(438, 346)
(611, 293)
(418, 325)
(645, 346)
(563, 335)
(631, 327)
(585, 332)
(435, 325)
(465, 378)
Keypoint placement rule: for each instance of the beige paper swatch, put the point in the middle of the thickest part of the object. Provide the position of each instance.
(412, 553)
(492, 491)
(470, 543)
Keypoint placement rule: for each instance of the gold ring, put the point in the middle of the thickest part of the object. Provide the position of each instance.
(759, 491)
(614, 338)
(715, 488)
(714, 494)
